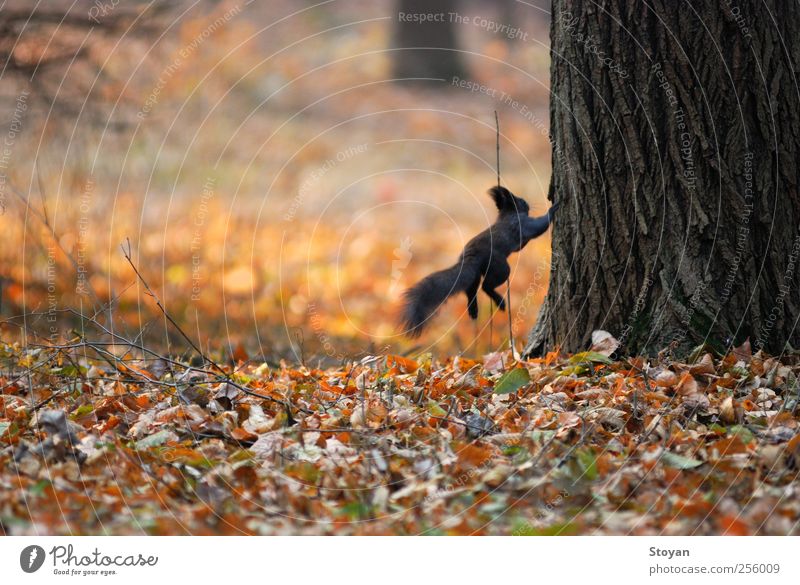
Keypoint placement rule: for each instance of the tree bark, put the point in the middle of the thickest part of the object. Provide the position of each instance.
(428, 49)
(676, 140)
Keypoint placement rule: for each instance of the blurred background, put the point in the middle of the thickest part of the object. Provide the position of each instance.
(282, 169)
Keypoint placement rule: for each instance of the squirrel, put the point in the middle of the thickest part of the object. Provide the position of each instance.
(484, 257)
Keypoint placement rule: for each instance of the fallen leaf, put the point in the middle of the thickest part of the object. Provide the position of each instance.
(665, 378)
(603, 342)
(590, 357)
(156, 439)
(497, 475)
(704, 366)
(679, 461)
(512, 381)
(730, 412)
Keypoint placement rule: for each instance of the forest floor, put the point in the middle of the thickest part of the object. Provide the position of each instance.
(95, 440)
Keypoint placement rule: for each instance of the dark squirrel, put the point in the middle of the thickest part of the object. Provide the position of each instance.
(484, 257)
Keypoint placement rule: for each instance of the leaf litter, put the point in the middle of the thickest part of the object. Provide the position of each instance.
(565, 444)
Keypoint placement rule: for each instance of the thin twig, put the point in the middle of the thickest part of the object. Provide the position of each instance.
(167, 316)
(491, 326)
(298, 335)
(508, 290)
(497, 140)
(510, 326)
(206, 359)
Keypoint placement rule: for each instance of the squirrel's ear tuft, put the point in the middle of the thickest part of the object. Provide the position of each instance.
(502, 197)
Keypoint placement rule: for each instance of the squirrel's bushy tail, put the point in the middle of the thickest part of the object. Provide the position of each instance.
(424, 298)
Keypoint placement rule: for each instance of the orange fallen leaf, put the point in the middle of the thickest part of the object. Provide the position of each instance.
(733, 526)
(241, 434)
(472, 455)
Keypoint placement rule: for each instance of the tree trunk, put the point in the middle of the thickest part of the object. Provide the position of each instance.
(427, 48)
(676, 142)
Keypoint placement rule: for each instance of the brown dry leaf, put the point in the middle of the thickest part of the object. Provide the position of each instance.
(696, 401)
(241, 434)
(497, 475)
(664, 378)
(686, 385)
(191, 412)
(704, 366)
(404, 364)
(730, 412)
(268, 445)
(496, 361)
(474, 455)
(603, 342)
(402, 417)
(743, 353)
(468, 380)
(610, 416)
(258, 422)
(771, 456)
(370, 415)
(568, 420)
(656, 426)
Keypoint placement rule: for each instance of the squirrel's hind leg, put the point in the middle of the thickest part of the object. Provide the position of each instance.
(472, 299)
(497, 274)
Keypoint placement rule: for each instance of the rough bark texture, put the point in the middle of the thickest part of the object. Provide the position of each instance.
(428, 49)
(676, 142)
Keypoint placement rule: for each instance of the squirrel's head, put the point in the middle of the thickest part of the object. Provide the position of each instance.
(507, 202)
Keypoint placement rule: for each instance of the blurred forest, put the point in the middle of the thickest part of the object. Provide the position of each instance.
(280, 182)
